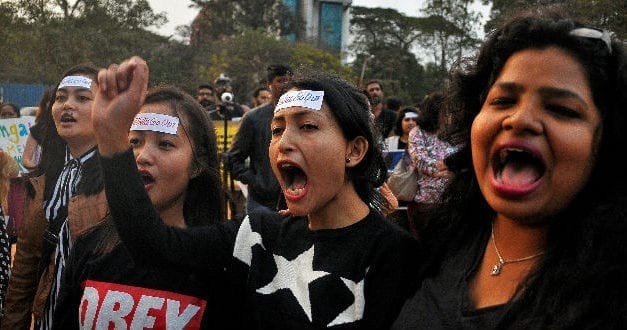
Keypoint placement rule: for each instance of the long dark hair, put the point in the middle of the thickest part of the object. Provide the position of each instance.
(53, 147)
(204, 201)
(578, 282)
(398, 125)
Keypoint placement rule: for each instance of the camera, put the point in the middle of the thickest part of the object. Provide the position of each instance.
(226, 97)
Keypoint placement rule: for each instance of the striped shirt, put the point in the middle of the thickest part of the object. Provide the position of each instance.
(56, 209)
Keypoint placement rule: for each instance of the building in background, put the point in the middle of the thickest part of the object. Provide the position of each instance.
(325, 22)
(322, 23)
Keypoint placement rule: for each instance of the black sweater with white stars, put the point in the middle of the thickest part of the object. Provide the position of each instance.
(285, 275)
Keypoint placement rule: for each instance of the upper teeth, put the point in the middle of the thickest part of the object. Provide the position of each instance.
(504, 152)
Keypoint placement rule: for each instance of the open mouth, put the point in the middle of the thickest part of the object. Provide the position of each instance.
(146, 177)
(67, 118)
(517, 167)
(294, 177)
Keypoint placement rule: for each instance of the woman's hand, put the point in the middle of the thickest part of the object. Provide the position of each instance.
(121, 92)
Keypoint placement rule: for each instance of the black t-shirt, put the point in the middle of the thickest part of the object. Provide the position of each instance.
(443, 301)
(103, 289)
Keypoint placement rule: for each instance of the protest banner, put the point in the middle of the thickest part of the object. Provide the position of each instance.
(13, 134)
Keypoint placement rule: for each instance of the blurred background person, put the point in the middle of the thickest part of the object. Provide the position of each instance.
(225, 100)
(427, 153)
(206, 96)
(252, 141)
(261, 95)
(32, 148)
(8, 170)
(9, 110)
(405, 122)
(394, 103)
(384, 118)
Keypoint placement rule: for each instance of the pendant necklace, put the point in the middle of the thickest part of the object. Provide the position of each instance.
(496, 269)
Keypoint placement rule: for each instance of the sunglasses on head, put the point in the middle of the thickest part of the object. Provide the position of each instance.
(593, 33)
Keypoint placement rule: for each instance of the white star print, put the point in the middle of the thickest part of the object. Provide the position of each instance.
(246, 239)
(295, 275)
(355, 311)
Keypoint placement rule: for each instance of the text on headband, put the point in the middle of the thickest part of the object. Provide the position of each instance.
(303, 98)
(155, 122)
(75, 81)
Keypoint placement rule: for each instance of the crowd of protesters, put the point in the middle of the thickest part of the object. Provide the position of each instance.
(518, 221)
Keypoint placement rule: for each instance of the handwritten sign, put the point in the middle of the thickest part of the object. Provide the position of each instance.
(13, 134)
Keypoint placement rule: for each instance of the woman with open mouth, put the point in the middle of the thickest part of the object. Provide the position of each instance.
(530, 233)
(64, 198)
(334, 262)
(173, 147)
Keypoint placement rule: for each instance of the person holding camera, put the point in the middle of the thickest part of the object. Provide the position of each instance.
(225, 100)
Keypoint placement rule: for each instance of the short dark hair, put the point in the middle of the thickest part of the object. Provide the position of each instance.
(206, 86)
(374, 81)
(259, 89)
(430, 108)
(12, 106)
(274, 70)
(393, 103)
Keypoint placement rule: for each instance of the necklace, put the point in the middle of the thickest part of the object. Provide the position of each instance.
(496, 269)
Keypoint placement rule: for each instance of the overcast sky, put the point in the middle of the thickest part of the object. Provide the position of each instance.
(179, 13)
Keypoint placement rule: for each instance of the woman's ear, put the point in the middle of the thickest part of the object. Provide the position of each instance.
(356, 150)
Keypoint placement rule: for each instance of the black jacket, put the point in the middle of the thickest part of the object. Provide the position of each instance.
(252, 140)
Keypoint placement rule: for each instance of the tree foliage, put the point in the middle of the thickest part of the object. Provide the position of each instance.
(40, 39)
(241, 38)
(440, 37)
(606, 14)
(44, 38)
(450, 32)
(243, 58)
(219, 19)
(383, 36)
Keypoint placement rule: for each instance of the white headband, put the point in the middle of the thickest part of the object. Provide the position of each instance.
(75, 81)
(410, 114)
(303, 98)
(157, 122)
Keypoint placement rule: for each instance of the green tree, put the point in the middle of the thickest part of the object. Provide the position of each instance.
(243, 58)
(219, 19)
(449, 33)
(606, 14)
(44, 38)
(385, 36)
(306, 55)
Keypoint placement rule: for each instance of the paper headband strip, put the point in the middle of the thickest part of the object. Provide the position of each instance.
(75, 81)
(303, 98)
(155, 122)
(410, 115)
